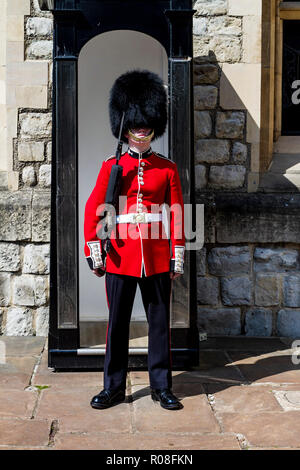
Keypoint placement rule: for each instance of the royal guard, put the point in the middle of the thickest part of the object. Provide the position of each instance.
(143, 248)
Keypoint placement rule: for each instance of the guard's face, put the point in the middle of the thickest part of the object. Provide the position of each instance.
(140, 132)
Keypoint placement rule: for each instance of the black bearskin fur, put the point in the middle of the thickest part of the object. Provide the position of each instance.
(141, 94)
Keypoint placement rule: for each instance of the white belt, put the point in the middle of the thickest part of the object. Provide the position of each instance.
(141, 217)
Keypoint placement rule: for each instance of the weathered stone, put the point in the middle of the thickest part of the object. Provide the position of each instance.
(275, 259)
(220, 321)
(236, 290)
(258, 322)
(225, 26)
(42, 321)
(31, 151)
(223, 261)
(266, 289)
(211, 151)
(5, 289)
(227, 176)
(226, 48)
(35, 125)
(230, 124)
(205, 74)
(208, 290)
(239, 153)
(36, 259)
(37, 26)
(9, 257)
(45, 176)
(41, 216)
(40, 50)
(3, 181)
(199, 26)
(288, 323)
(49, 151)
(210, 7)
(202, 124)
(201, 262)
(18, 322)
(205, 97)
(30, 290)
(29, 176)
(291, 290)
(200, 177)
(15, 215)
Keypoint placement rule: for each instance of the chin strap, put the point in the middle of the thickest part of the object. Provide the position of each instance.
(141, 139)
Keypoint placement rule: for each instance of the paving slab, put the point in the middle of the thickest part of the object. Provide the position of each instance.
(265, 429)
(138, 441)
(16, 373)
(267, 367)
(17, 403)
(65, 380)
(241, 399)
(195, 416)
(24, 432)
(71, 408)
(23, 345)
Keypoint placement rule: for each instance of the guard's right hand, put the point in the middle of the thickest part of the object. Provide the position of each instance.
(99, 272)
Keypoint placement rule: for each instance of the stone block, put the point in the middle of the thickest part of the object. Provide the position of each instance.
(45, 176)
(27, 73)
(41, 216)
(49, 151)
(252, 39)
(212, 151)
(201, 262)
(5, 289)
(200, 177)
(37, 26)
(32, 96)
(210, 7)
(15, 215)
(258, 322)
(15, 51)
(267, 289)
(223, 261)
(246, 7)
(30, 151)
(18, 7)
(14, 27)
(239, 153)
(202, 124)
(236, 290)
(35, 125)
(199, 26)
(230, 124)
(288, 323)
(220, 321)
(225, 26)
(226, 49)
(42, 321)
(207, 290)
(9, 257)
(275, 259)
(29, 176)
(291, 290)
(18, 322)
(40, 50)
(30, 290)
(205, 73)
(205, 97)
(227, 176)
(36, 259)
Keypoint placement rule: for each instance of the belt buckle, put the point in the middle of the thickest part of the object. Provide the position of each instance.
(139, 218)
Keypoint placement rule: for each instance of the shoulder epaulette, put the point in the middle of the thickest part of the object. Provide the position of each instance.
(109, 158)
(162, 156)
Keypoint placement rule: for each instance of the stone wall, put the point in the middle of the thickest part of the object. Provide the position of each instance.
(248, 271)
(25, 212)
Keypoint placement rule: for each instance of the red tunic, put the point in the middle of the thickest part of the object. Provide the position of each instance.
(149, 180)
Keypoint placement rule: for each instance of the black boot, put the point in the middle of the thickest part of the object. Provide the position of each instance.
(107, 398)
(166, 398)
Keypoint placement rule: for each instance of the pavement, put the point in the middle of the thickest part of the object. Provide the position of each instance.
(244, 395)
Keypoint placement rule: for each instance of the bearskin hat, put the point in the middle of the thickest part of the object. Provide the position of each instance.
(142, 96)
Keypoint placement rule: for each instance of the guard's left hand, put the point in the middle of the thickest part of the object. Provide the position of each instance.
(174, 275)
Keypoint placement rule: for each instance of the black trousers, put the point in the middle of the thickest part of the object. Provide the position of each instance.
(155, 292)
